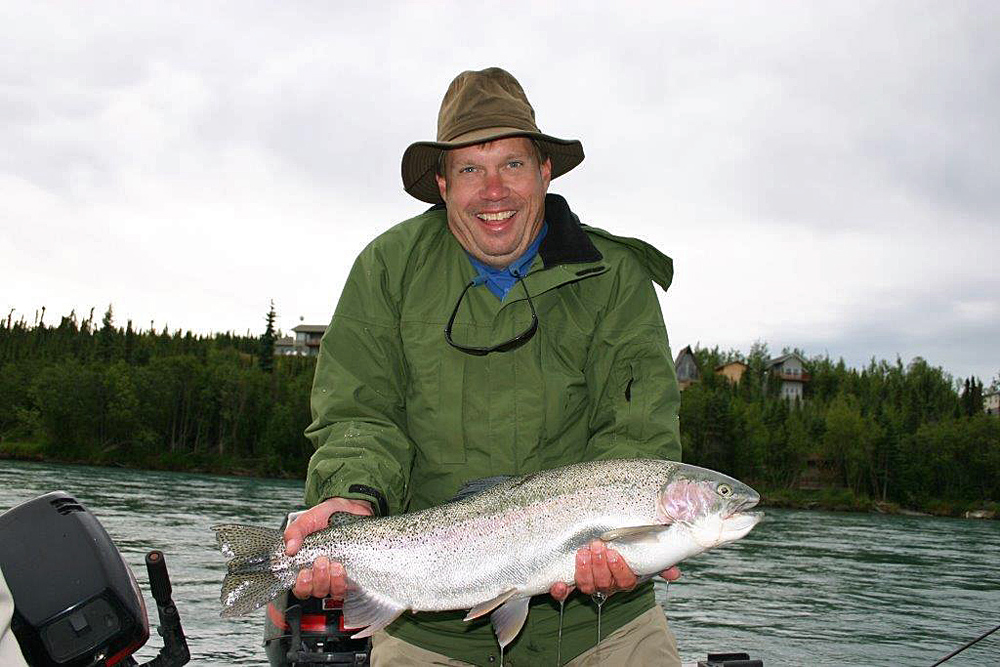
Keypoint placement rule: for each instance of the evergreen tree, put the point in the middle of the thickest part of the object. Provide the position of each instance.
(106, 336)
(266, 359)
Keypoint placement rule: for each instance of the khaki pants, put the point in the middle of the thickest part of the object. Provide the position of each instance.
(646, 640)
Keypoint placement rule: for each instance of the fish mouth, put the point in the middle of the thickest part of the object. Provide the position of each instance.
(740, 509)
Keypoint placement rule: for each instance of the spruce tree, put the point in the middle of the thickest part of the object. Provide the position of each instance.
(266, 359)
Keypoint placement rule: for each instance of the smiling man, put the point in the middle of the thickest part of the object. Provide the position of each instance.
(493, 334)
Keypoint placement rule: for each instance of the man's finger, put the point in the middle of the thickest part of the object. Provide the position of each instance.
(584, 573)
(671, 573)
(321, 577)
(624, 578)
(303, 584)
(603, 579)
(338, 581)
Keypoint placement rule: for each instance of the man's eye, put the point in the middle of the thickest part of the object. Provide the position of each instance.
(515, 163)
(466, 170)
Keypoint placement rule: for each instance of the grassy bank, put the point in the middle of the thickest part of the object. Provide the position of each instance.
(845, 500)
(199, 462)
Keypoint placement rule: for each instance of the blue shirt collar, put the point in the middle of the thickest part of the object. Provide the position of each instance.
(500, 281)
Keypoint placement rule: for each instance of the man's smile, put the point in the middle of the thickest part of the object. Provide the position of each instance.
(499, 216)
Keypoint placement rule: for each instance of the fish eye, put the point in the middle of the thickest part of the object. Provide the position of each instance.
(724, 490)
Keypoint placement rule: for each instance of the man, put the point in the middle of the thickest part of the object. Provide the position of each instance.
(493, 334)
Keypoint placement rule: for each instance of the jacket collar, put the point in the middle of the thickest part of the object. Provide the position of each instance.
(566, 242)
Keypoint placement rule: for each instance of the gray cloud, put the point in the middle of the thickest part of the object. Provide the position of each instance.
(822, 174)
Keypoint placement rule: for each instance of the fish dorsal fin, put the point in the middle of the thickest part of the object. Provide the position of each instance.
(486, 607)
(474, 486)
(368, 611)
(509, 619)
(635, 533)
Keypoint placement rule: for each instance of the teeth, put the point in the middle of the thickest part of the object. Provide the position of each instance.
(495, 217)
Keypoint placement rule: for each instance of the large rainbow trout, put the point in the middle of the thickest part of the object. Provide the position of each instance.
(489, 551)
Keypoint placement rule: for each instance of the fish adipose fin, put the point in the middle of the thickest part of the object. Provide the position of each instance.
(509, 619)
(474, 486)
(250, 582)
(365, 610)
(635, 533)
(486, 607)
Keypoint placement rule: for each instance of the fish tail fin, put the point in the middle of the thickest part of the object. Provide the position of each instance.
(252, 580)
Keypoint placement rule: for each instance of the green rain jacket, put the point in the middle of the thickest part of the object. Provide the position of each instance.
(403, 419)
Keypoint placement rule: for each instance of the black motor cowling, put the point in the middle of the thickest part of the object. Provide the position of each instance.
(76, 602)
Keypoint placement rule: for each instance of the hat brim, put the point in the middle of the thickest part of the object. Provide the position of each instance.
(420, 159)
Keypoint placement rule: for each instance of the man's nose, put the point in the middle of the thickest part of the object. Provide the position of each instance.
(494, 188)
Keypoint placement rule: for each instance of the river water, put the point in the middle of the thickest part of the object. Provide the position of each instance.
(804, 588)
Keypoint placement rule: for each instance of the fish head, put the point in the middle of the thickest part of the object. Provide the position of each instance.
(711, 505)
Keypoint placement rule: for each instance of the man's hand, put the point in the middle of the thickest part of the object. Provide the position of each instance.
(323, 579)
(600, 569)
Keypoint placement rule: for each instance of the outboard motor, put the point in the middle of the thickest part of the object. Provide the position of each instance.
(310, 632)
(76, 602)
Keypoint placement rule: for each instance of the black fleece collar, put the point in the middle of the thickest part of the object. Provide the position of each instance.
(565, 242)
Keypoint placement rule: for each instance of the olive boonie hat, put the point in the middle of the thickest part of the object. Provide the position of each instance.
(479, 107)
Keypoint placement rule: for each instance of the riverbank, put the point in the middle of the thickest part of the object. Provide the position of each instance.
(196, 462)
(825, 499)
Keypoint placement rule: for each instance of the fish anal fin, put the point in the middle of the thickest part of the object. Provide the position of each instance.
(509, 618)
(634, 533)
(486, 607)
(368, 611)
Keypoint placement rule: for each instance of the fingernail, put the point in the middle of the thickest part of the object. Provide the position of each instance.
(336, 569)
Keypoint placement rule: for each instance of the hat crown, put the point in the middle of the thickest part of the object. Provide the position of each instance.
(488, 98)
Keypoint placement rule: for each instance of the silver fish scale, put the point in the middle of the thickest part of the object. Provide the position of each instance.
(530, 527)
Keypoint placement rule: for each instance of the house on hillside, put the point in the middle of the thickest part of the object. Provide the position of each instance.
(687, 368)
(790, 370)
(733, 371)
(991, 403)
(284, 346)
(304, 344)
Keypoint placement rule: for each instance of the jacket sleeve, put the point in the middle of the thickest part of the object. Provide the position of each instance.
(358, 397)
(631, 377)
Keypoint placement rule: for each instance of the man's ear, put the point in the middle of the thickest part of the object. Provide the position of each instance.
(442, 185)
(546, 170)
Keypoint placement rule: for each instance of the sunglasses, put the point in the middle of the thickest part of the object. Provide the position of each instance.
(512, 344)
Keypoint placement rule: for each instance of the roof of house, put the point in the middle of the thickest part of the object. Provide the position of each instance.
(731, 363)
(310, 328)
(785, 357)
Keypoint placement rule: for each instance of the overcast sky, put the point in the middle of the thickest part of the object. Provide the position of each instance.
(824, 175)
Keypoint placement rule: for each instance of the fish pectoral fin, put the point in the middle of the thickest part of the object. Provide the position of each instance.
(509, 619)
(634, 533)
(484, 608)
(369, 611)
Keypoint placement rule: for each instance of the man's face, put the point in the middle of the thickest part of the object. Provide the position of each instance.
(495, 194)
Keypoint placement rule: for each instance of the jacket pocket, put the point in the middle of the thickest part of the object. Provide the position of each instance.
(448, 444)
(434, 405)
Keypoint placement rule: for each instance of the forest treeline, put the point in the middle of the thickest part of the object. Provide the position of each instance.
(96, 392)
(889, 432)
